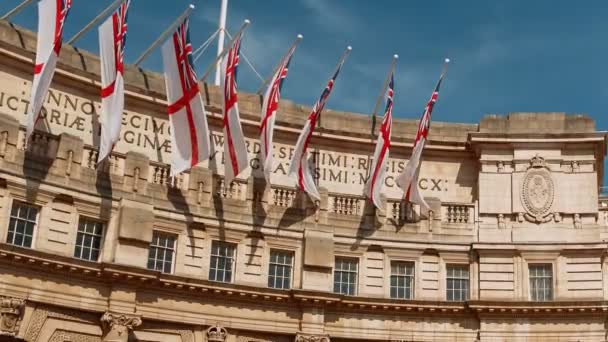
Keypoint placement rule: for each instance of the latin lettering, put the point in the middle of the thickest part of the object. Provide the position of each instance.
(15, 102)
(421, 186)
(69, 102)
(55, 116)
(79, 123)
(88, 108)
(333, 162)
(133, 124)
(129, 137)
(280, 168)
(56, 97)
(436, 184)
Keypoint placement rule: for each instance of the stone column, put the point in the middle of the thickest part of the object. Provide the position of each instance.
(300, 337)
(11, 313)
(116, 327)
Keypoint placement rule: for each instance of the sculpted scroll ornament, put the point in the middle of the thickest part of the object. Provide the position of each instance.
(311, 338)
(538, 191)
(11, 313)
(117, 326)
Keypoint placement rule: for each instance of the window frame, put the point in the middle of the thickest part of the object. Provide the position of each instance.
(174, 251)
(36, 223)
(531, 291)
(291, 254)
(468, 281)
(355, 285)
(413, 279)
(233, 262)
(101, 237)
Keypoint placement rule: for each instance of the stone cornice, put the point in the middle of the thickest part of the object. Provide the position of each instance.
(540, 308)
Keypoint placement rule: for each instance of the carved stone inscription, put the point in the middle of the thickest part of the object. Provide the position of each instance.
(150, 133)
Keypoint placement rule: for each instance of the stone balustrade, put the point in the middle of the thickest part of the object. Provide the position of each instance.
(457, 213)
(114, 164)
(283, 196)
(346, 204)
(235, 190)
(141, 171)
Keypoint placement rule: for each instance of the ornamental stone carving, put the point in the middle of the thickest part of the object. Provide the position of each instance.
(11, 313)
(311, 338)
(216, 333)
(117, 326)
(538, 191)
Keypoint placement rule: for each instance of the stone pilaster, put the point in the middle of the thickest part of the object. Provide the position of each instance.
(300, 337)
(116, 327)
(11, 313)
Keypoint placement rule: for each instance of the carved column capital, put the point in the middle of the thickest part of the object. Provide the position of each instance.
(11, 313)
(300, 337)
(117, 326)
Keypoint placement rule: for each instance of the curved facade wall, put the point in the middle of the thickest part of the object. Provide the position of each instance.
(512, 250)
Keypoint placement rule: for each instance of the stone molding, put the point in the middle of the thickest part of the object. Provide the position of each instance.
(116, 327)
(301, 337)
(11, 313)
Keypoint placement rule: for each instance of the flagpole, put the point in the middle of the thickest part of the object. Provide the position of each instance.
(220, 39)
(95, 21)
(164, 35)
(375, 111)
(281, 61)
(383, 92)
(225, 51)
(16, 9)
(340, 62)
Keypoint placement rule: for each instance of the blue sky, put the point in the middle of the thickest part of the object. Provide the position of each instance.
(507, 56)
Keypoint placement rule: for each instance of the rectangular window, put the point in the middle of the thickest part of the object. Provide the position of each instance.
(22, 224)
(88, 239)
(222, 261)
(345, 276)
(279, 269)
(402, 280)
(457, 283)
(162, 251)
(541, 282)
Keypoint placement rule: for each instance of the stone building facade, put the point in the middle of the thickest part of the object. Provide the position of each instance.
(514, 248)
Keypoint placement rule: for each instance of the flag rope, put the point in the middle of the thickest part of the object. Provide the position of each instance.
(247, 60)
(163, 36)
(246, 23)
(95, 21)
(16, 9)
(199, 51)
(274, 71)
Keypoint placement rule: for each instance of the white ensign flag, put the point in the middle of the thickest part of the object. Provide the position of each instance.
(51, 19)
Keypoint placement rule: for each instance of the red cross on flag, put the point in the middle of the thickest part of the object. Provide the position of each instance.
(190, 143)
(235, 150)
(408, 180)
(51, 19)
(112, 37)
(373, 187)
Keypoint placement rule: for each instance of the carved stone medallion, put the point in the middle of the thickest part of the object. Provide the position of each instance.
(538, 191)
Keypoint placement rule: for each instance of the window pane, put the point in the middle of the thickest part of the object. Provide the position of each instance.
(280, 268)
(345, 276)
(541, 282)
(457, 282)
(162, 248)
(222, 259)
